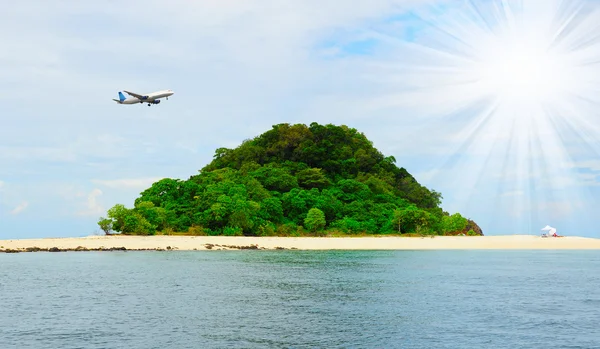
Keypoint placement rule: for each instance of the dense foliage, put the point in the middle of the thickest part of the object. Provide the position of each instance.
(291, 180)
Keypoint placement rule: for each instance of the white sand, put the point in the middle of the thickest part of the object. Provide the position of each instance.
(309, 243)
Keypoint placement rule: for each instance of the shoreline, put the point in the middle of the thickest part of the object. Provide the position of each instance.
(191, 243)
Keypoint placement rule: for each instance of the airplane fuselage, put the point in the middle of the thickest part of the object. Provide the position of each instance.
(150, 98)
(156, 95)
(130, 100)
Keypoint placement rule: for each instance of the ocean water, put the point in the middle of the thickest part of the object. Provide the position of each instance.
(301, 299)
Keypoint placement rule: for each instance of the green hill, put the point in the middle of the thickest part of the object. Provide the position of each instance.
(292, 180)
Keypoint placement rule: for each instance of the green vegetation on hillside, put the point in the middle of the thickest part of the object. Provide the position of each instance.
(292, 180)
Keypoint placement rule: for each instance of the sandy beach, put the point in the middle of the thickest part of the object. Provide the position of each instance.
(508, 242)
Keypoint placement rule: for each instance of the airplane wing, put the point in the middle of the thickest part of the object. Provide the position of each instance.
(136, 95)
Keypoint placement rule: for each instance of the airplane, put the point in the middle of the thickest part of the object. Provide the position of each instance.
(150, 98)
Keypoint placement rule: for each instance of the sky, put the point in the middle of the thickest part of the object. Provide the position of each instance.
(492, 103)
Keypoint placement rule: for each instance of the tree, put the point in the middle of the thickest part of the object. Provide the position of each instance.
(411, 219)
(315, 220)
(106, 225)
(127, 221)
(313, 178)
(453, 224)
(275, 179)
(117, 215)
(136, 224)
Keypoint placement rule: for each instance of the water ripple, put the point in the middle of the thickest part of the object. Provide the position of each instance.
(299, 299)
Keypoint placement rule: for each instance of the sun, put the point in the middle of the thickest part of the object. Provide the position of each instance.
(520, 66)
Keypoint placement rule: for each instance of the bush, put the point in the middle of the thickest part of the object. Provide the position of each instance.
(233, 231)
(453, 224)
(211, 232)
(315, 220)
(288, 229)
(267, 229)
(195, 230)
(347, 225)
(412, 219)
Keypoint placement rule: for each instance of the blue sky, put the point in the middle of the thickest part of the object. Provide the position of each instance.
(393, 69)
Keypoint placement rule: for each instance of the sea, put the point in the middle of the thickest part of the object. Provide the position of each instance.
(300, 299)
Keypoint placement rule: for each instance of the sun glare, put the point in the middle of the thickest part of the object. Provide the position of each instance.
(513, 88)
(521, 68)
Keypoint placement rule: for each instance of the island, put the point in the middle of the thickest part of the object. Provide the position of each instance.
(293, 180)
(294, 187)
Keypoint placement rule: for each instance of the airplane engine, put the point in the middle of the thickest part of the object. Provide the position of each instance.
(156, 101)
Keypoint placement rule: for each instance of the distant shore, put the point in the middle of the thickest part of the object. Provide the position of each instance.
(189, 243)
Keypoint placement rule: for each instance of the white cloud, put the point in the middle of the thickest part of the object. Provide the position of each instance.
(512, 193)
(587, 172)
(559, 209)
(592, 165)
(1, 185)
(238, 67)
(427, 176)
(19, 208)
(126, 183)
(93, 208)
(29, 152)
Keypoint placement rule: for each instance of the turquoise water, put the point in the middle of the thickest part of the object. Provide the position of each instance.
(301, 299)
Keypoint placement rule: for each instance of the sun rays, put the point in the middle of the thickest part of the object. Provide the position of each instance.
(513, 87)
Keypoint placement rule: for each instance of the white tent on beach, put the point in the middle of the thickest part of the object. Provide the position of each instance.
(551, 231)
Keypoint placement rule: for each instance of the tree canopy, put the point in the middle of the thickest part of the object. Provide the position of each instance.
(291, 180)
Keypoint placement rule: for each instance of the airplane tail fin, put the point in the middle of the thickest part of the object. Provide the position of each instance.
(121, 96)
